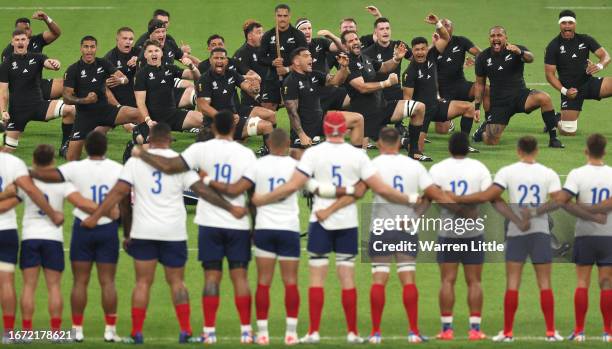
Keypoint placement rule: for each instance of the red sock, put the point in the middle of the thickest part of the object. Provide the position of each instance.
(56, 323)
(138, 318)
(349, 303)
(243, 305)
(110, 319)
(210, 304)
(411, 304)
(605, 304)
(183, 314)
(581, 305)
(292, 301)
(316, 298)
(9, 322)
(377, 304)
(547, 303)
(26, 325)
(77, 319)
(510, 306)
(262, 302)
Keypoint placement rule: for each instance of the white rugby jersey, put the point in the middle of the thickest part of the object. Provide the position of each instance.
(224, 161)
(159, 212)
(403, 174)
(528, 185)
(11, 168)
(94, 179)
(339, 164)
(36, 224)
(267, 174)
(591, 184)
(462, 177)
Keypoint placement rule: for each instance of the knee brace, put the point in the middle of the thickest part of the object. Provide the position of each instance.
(177, 82)
(11, 142)
(345, 259)
(252, 123)
(59, 108)
(407, 266)
(409, 108)
(7, 267)
(568, 126)
(380, 268)
(264, 254)
(318, 260)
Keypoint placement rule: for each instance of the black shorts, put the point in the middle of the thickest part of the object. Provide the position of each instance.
(21, 115)
(271, 91)
(502, 110)
(458, 91)
(245, 109)
(312, 130)
(240, 127)
(436, 113)
(86, 122)
(589, 90)
(174, 117)
(393, 93)
(332, 98)
(589, 250)
(178, 93)
(536, 246)
(375, 118)
(45, 88)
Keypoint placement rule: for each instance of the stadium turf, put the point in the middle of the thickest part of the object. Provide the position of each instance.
(530, 23)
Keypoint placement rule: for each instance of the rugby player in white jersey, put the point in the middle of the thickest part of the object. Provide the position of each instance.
(93, 177)
(221, 234)
(42, 242)
(462, 176)
(336, 164)
(158, 232)
(277, 232)
(591, 185)
(14, 171)
(529, 184)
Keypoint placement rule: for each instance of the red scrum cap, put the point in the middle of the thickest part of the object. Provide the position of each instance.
(334, 124)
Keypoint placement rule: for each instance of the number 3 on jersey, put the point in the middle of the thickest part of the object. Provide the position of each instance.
(158, 185)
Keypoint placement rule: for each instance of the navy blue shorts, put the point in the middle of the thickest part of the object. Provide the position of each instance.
(465, 256)
(9, 246)
(216, 243)
(378, 244)
(536, 246)
(47, 253)
(322, 241)
(100, 244)
(169, 253)
(589, 250)
(277, 243)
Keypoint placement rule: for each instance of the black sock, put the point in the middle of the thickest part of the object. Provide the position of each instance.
(550, 120)
(66, 131)
(413, 134)
(466, 125)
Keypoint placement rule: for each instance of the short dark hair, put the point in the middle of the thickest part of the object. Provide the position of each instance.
(150, 42)
(44, 155)
(218, 49)
(160, 12)
(349, 19)
(527, 144)
(389, 135)
(224, 122)
(296, 52)
(282, 7)
(459, 144)
(381, 20)
(498, 27)
(213, 37)
(278, 138)
(418, 40)
(596, 145)
(250, 25)
(155, 24)
(345, 33)
(161, 132)
(96, 144)
(124, 29)
(566, 13)
(89, 38)
(19, 32)
(22, 20)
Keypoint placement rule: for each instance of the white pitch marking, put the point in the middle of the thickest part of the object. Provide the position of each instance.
(65, 8)
(578, 8)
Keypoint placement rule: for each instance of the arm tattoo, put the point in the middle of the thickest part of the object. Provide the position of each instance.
(294, 118)
(70, 98)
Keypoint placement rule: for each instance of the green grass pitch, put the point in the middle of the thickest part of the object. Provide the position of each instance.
(530, 23)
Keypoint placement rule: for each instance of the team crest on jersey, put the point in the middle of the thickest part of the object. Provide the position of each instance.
(562, 49)
(151, 76)
(83, 73)
(14, 65)
(170, 54)
(314, 80)
(508, 58)
(300, 85)
(581, 46)
(379, 57)
(215, 86)
(34, 45)
(254, 57)
(359, 65)
(273, 39)
(318, 48)
(456, 49)
(99, 70)
(167, 73)
(429, 64)
(32, 61)
(230, 80)
(291, 40)
(489, 62)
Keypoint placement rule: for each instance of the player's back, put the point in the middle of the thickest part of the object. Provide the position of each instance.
(591, 184)
(11, 168)
(36, 224)
(93, 179)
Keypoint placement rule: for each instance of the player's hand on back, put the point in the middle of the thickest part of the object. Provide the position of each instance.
(238, 212)
(322, 215)
(89, 222)
(57, 218)
(525, 222)
(115, 213)
(126, 243)
(136, 151)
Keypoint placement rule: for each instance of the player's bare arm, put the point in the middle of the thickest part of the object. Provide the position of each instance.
(525, 55)
(8, 204)
(52, 64)
(70, 98)
(492, 193)
(294, 121)
(208, 194)
(399, 51)
(581, 211)
(205, 108)
(360, 85)
(48, 175)
(82, 203)
(4, 97)
(443, 35)
(9, 192)
(376, 183)
(231, 189)
(336, 44)
(54, 31)
(342, 73)
(340, 203)
(297, 181)
(502, 207)
(551, 76)
(604, 60)
(26, 184)
(166, 165)
(192, 73)
(117, 193)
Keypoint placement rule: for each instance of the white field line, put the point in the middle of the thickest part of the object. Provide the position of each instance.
(578, 7)
(148, 340)
(64, 8)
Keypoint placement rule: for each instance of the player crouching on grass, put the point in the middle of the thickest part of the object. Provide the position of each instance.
(529, 184)
(277, 228)
(159, 231)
